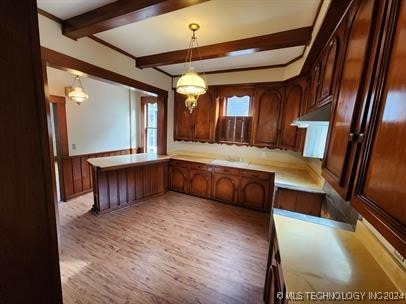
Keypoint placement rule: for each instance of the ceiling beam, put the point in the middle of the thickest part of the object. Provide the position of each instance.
(119, 13)
(296, 37)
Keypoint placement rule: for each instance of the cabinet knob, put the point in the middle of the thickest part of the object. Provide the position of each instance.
(351, 137)
(361, 137)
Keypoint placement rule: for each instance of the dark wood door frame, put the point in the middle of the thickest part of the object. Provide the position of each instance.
(61, 137)
(29, 259)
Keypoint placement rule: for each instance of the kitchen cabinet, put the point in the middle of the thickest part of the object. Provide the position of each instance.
(267, 116)
(275, 287)
(291, 137)
(179, 176)
(380, 192)
(254, 190)
(299, 201)
(225, 186)
(339, 157)
(198, 125)
(120, 181)
(323, 77)
(200, 180)
(243, 187)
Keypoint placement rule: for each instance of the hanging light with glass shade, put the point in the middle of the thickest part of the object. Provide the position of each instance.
(76, 92)
(191, 83)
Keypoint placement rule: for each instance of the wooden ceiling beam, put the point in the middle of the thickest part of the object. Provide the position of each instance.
(295, 37)
(119, 13)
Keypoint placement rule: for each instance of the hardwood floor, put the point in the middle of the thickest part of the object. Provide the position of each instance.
(171, 249)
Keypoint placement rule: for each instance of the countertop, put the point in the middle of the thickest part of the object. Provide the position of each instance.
(317, 258)
(120, 161)
(290, 178)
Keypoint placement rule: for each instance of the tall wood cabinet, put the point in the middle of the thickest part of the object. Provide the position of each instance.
(198, 126)
(341, 147)
(366, 145)
(291, 137)
(267, 115)
(380, 192)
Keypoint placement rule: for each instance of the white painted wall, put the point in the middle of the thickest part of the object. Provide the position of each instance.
(102, 123)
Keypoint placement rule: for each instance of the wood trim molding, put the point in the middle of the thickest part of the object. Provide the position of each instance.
(120, 13)
(105, 43)
(273, 66)
(295, 37)
(335, 13)
(65, 62)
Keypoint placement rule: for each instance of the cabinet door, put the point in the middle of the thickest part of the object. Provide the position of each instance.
(267, 111)
(203, 118)
(182, 127)
(178, 179)
(200, 183)
(340, 149)
(292, 108)
(225, 188)
(254, 193)
(380, 193)
(314, 87)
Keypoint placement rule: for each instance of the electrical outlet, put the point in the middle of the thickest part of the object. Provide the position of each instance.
(73, 146)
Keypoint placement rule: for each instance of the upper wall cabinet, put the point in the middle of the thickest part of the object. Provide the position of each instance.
(291, 137)
(380, 192)
(198, 126)
(340, 148)
(323, 77)
(267, 116)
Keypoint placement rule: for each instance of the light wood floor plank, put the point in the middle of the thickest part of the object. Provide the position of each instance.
(171, 249)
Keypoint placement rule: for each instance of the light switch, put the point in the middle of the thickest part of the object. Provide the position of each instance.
(73, 146)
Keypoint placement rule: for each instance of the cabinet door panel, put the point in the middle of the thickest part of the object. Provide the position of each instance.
(291, 110)
(254, 193)
(225, 188)
(267, 117)
(178, 179)
(330, 66)
(200, 183)
(182, 128)
(339, 155)
(380, 194)
(203, 118)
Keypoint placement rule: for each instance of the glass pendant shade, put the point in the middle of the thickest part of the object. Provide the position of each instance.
(190, 83)
(77, 94)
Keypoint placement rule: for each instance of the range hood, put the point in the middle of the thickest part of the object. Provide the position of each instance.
(315, 117)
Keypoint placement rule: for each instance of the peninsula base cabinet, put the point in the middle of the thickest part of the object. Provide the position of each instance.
(118, 188)
(242, 187)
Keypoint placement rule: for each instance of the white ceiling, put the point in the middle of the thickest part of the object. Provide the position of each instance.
(220, 21)
(65, 9)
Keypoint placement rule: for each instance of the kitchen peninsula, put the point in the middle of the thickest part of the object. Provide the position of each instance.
(120, 181)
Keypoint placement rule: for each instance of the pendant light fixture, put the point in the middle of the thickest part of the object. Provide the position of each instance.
(76, 92)
(190, 83)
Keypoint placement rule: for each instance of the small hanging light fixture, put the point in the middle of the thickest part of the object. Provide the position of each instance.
(76, 92)
(191, 83)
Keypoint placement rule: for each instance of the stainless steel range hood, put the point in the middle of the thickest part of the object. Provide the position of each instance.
(320, 115)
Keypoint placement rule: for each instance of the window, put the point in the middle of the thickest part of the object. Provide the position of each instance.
(151, 127)
(237, 106)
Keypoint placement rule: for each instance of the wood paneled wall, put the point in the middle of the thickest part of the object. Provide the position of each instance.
(77, 174)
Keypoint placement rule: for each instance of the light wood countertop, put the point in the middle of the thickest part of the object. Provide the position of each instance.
(290, 178)
(316, 258)
(121, 161)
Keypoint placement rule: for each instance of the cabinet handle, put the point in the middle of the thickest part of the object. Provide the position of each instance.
(361, 137)
(351, 136)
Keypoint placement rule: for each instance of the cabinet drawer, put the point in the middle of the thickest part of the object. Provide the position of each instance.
(200, 166)
(255, 174)
(178, 163)
(226, 170)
